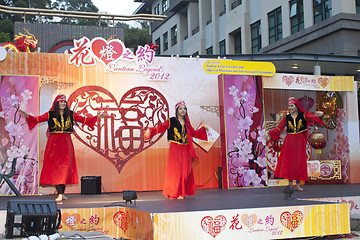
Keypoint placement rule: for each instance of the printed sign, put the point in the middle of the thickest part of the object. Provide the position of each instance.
(117, 58)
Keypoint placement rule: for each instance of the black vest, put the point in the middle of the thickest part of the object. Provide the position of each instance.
(59, 124)
(176, 132)
(297, 126)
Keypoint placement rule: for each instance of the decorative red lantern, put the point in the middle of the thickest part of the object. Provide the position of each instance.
(277, 145)
(317, 139)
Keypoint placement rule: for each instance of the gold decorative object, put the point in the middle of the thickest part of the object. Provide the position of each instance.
(328, 105)
(317, 140)
(60, 86)
(271, 124)
(214, 109)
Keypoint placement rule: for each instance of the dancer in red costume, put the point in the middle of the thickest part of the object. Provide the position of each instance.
(59, 167)
(179, 178)
(292, 162)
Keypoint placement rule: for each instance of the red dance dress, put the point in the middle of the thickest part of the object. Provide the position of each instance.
(292, 162)
(179, 177)
(59, 166)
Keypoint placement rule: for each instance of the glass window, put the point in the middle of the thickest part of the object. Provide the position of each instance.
(209, 51)
(296, 16)
(357, 6)
(235, 3)
(164, 5)
(275, 25)
(222, 47)
(157, 42)
(255, 37)
(322, 10)
(165, 41)
(173, 35)
(237, 41)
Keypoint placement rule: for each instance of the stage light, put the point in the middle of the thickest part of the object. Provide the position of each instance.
(358, 69)
(129, 196)
(295, 66)
(31, 217)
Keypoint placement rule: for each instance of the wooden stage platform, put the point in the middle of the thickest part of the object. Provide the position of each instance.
(260, 213)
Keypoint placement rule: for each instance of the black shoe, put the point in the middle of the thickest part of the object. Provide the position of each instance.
(288, 191)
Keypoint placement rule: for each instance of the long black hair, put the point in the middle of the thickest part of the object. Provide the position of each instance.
(57, 110)
(176, 115)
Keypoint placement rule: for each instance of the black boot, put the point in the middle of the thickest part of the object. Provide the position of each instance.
(288, 191)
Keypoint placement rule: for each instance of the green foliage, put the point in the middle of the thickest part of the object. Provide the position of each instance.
(135, 36)
(4, 37)
(79, 6)
(7, 27)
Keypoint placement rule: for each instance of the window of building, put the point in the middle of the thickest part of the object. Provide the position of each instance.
(173, 35)
(157, 9)
(222, 47)
(165, 41)
(195, 54)
(157, 42)
(224, 10)
(255, 37)
(165, 5)
(237, 42)
(322, 10)
(235, 3)
(357, 6)
(296, 16)
(209, 51)
(275, 25)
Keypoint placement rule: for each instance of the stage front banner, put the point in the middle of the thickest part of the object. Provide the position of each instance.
(117, 222)
(259, 223)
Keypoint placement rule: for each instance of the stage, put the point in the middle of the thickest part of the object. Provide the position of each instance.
(260, 213)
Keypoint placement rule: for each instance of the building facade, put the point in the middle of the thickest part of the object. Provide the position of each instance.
(223, 27)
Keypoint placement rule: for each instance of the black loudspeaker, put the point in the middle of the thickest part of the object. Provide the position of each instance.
(91, 185)
(129, 196)
(31, 217)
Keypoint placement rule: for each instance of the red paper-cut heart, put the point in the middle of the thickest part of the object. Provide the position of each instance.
(122, 220)
(288, 80)
(291, 221)
(213, 226)
(323, 82)
(105, 51)
(119, 137)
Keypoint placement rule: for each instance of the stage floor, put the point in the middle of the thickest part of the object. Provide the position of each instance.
(205, 199)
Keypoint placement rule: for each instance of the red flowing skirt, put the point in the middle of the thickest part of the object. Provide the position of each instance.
(292, 162)
(59, 165)
(179, 177)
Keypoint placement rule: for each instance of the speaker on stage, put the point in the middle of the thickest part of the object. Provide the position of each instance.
(129, 196)
(91, 185)
(31, 217)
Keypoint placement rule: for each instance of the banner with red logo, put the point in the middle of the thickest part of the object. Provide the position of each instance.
(259, 223)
